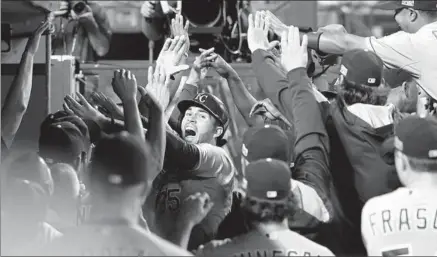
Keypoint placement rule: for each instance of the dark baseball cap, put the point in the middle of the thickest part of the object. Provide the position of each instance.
(268, 179)
(62, 141)
(269, 141)
(417, 137)
(423, 5)
(211, 104)
(121, 160)
(362, 67)
(414, 136)
(61, 116)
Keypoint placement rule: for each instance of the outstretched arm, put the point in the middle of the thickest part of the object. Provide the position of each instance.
(17, 98)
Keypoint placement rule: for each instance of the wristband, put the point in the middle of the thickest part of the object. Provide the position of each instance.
(313, 39)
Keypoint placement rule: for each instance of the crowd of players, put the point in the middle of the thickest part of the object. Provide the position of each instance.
(350, 171)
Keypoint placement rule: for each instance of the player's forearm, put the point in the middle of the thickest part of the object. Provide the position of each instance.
(17, 99)
(270, 78)
(243, 99)
(152, 28)
(156, 134)
(338, 43)
(181, 234)
(132, 118)
(99, 40)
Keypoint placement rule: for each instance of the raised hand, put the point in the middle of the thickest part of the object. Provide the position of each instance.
(276, 25)
(81, 108)
(124, 84)
(257, 32)
(179, 29)
(33, 43)
(196, 207)
(294, 53)
(171, 55)
(114, 110)
(157, 86)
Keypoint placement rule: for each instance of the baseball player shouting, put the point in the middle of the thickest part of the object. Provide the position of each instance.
(195, 163)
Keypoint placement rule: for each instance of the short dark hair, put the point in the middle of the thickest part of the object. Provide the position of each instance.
(425, 165)
(353, 93)
(431, 14)
(265, 211)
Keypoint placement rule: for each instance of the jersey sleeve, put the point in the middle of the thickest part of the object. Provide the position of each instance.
(214, 162)
(396, 50)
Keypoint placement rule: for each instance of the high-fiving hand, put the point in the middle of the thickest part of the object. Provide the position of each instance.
(124, 84)
(171, 55)
(157, 86)
(179, 29)
(258, 32)
(294, 53)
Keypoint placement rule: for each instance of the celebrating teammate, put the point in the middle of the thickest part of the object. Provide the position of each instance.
(267, 204)
(196, 163)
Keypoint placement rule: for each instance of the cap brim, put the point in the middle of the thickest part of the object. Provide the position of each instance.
(389, 5)
(185, 104)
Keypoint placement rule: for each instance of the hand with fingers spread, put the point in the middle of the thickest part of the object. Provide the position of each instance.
(33, 42)
(114, 110)
(82, 108)
(124, 84)
(178, 28)
(294, 53)
(276, 25)
(171, 55)
(195, 208)
(257, 33)
(158, 86)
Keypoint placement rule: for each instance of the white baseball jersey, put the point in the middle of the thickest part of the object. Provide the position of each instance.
(401, 223)
(416, 53)
(256, 243)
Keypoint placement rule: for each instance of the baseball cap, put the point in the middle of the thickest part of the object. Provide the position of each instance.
(415, 137)
(120, 160)
(363, 67)
(60, 116)
(61, 141)
(269, 141)
(268, 179)
(211, 104)
(423, 5)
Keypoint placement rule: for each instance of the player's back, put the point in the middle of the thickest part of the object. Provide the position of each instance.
(403, 222)
(255, 243)
(112, 240)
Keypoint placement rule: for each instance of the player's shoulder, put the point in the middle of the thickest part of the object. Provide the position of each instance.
(389, 198)
(315, 248)
(225, 247)
(211, 148)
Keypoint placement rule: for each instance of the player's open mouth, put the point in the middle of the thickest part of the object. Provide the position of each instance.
(190, 132)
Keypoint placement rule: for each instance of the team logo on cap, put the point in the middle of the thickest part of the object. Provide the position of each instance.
(343, 70)
(408, 3)
(201, 97)
(371, 80)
